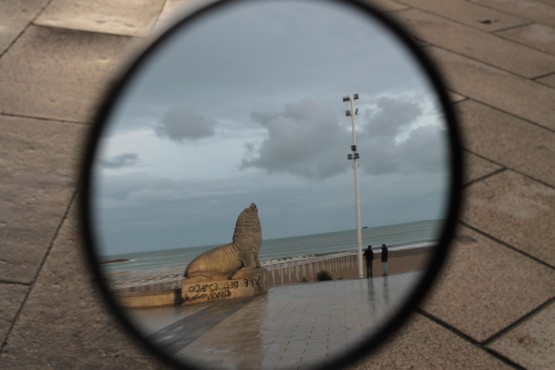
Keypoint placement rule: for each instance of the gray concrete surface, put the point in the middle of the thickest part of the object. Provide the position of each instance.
(494, 305)
(292, 326)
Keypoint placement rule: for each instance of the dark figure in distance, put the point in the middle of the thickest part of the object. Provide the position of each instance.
(384, 259)
(369, 255)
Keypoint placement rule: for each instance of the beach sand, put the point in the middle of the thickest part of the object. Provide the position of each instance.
(280, 272)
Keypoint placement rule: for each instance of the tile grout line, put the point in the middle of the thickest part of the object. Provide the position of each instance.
(544, 84)
(24, 29)
(414, 32)
(15, 115)
(509, 169)
(469, 339)
(512, 28)
(519, 321)
(39, 269)
(7, 281)
(531, 47)
(482, 62)
(500, 170)
(544, 75)
(479, 61)
(505, 12)
(527, 120)
(507, 245)
(527, 21)
(483, 157)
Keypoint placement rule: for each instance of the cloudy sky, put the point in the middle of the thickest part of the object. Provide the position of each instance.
(245, 105)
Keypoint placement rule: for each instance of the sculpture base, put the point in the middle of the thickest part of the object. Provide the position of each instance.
(245, 283)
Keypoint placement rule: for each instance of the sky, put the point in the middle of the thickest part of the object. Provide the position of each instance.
(245, 105)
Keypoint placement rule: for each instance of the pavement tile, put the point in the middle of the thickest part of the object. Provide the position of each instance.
(515, 210)
(14, 17)
(477, 44)
(485, 286)
(469, 14)
(509, 141)
(64, 324)
(174, 10)
(119, 17)
(15, 294)
(164, 317)
(476, 167)
(422, 344)
(295, 324)
(531, 343)
(59, 74)
(38, 170)
(497, 88)
(548, 80)
(535, 10)
(535, 35)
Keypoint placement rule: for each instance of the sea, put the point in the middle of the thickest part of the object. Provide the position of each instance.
(398, 236)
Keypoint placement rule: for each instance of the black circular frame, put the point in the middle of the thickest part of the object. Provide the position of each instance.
(372, 342)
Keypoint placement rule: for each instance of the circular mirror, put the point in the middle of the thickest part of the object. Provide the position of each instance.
(272, 185)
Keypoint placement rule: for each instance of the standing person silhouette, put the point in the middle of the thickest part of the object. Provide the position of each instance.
(369, 255)
(384, 259)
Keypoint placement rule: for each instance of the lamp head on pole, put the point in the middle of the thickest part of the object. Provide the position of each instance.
(346, 98)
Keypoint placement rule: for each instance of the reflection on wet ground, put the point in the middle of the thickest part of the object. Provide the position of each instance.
(295, 326)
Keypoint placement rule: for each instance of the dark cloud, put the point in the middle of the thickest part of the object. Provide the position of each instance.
(120, 161)
(383, 153)
(306, 139)
(425, 150)
(303, 139)
(391, 116)
(180, 124)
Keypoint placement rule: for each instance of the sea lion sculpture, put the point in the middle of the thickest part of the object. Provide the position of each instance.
(235, 260)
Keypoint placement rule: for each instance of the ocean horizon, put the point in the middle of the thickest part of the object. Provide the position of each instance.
(404, 235)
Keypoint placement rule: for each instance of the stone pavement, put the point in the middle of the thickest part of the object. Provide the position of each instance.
(291, 327)
(494, 306)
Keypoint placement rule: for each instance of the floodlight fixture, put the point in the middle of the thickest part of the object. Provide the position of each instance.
(352, 112)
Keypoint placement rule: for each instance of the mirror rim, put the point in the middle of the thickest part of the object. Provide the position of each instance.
(368, 344)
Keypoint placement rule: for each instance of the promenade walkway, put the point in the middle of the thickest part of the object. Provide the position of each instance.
(292, 327)
(492, 308)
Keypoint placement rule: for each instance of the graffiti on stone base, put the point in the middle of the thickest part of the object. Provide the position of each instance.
(217, 290)
(253, 282)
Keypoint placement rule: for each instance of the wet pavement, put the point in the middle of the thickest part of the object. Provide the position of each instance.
(291, 327)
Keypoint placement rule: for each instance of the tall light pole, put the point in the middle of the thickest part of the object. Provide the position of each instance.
(352, 112)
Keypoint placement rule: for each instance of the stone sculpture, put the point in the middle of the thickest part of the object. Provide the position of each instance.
(236, 260)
